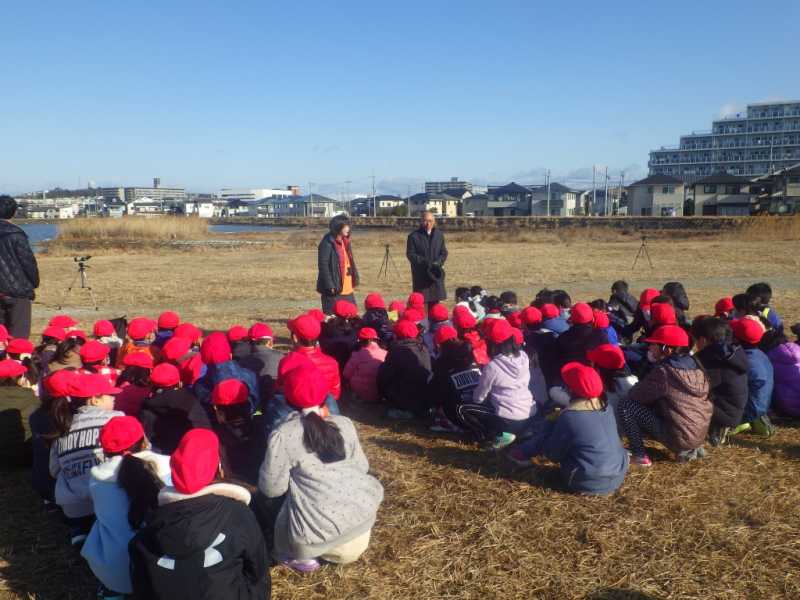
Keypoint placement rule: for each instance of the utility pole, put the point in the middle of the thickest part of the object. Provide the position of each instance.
(594, 188)
(348, 198)
(374, 206)
(408, 200)
(621, 187)
(606, 195)
(548, 191)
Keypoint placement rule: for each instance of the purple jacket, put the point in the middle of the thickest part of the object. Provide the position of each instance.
(785, 361)
(504, 381)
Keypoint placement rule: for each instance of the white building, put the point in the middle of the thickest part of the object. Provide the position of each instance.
(252, 194)
(201, 208)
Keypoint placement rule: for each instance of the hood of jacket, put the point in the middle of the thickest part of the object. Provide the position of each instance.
(510, 365)
(8, 228)
(169, 401)
(720, 355)
(688, 377)
(785, 354)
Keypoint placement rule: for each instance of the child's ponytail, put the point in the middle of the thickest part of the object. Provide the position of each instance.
(141, 482)
(323, 438)
(61, 412)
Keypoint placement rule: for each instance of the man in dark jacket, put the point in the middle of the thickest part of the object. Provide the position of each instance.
(19, 274)
(726, 367)
(338, 275)
(427, 253)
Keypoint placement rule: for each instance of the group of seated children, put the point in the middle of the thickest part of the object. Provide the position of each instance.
(187, 464)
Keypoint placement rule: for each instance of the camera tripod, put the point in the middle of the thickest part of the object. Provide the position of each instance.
(387, 258)
(643, 253)
(83, 276)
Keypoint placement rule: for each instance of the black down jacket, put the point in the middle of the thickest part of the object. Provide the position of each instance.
(726, 366)
(330, 272)
(427, 255)
(19, 274)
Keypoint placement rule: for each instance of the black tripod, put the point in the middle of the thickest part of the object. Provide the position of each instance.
(84, 279)
(643, 253)
(387, 258)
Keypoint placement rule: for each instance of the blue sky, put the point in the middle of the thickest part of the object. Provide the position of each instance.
(207, 94)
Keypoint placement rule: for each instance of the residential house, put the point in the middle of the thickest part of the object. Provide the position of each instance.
(437, 203)
(722, 194)
(511, 199)
(780, 191)
(656, 195)
(484, 205)
(564, 201)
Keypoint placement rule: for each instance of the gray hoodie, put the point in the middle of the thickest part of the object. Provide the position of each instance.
(327, 504)
(504, 381)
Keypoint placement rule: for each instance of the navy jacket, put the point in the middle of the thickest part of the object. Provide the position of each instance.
(227, 370)
(760, 382)
(726, 366)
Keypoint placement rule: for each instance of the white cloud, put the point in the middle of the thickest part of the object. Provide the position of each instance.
(730, 109)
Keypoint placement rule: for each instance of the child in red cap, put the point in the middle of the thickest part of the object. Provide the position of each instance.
(305, 331)
(581, 336)
(376, 316)
(167, 322)
(455, 377)
(78, 420)
(141, 334)
(403, 377)
(671, 402)
(609, 361)
(124, 491)
(467, 327)
(317, 465)
(338, 335)
(202, 541)
(760, 378)
(438, 317)
(17, 403)
(243, 440)
(44, 352)
(105, 333)
(361, 371)
(94, 360)
(262, 359)
(134, 381)
(583, 439)
(217, 356)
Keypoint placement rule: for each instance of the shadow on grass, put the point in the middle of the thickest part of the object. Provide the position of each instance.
(619, 594)
(767, 445)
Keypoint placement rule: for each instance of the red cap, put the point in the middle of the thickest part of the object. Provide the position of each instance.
(165, 375)
(515, 319)
(215, 349)
(90, 386)
(669, 335)
(582, 381)
(195, 462)
(749, 331)
(601, 320)
(189, 331)
(438, 313)
(4, 337)
(646, 297)
(405, 330)
(58, 384)
(305, 327)
(138, 359)
(93, 351)
(77, 333)
(519, 338)
(662, 314)
(120, 434)
(500, 331)
(237, 333)
(345, 309)
(367, 333)
(464, 320)
(176, 348)
(168, 320)
(581, 314)
(374, 300)
(416, 300)
(397, 306)
(723, 306)
(63, 321)
(444, 334)
(260, 331)
(57, 333)
(607, 356)
(317, 315)
(139, 328)
(20, 346)
(531, 316)
(103, 328)
(549, 311)
(414, 315)
(11, 368)
(305, 387)
(228, 392)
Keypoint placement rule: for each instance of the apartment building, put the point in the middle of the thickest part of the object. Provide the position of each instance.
(441, 187)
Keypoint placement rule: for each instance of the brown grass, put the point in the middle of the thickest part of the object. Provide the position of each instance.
(94, 233)
(456, 523)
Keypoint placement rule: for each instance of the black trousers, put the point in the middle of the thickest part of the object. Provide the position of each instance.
(15, 314)
(329, 301)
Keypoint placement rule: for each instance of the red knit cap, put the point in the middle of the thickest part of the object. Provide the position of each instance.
(464, 320)
(63, 321)
(519, 338)
(549, 311)
(4, 337)
(93, 351)
(57, 333)
(11, 368)
(345, 309)
(607, 356)
(305, 387)
(416, 300)
(668, 335)
(444, 334)
(405, 330)
(176, 348)
(438, 313)
(20, 346)
(77, 333)
(531, 316)
(662, 314)
(414, 315)
(374, 300)
(91, 386)
(120, 434)
(58, 384)
(103, 328)
(581, 314)
(749, 331)
(582, 381)
(515, 319)
(140, 327)
(138, 359)
(228, 392)
(646, 298)
(188, 331)
(317, 315)
(168, 320)
(165, 375)
(215, 349)
(723, 306)
(305, 327)
(397, 306)
(499, 331)
(195, 462)
(367, 333)
(260, 331)
(601, 320)
(237, 333)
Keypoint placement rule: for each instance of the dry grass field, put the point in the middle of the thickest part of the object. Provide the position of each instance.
(456, 523)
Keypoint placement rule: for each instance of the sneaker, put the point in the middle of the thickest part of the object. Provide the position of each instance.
(763, 426)
(395, 414)
(516, 456)
(743, 428)
(701, 452)
(301, 565)
(642, 461)
(719, 437)
(444, 425)
(503, 440)
(688, 455)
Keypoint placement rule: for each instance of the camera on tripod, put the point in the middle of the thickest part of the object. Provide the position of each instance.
(81, 259)
(81, 276)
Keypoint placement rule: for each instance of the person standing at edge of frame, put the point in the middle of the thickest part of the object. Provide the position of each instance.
(338, 275)
(19, 273)
(427, 253)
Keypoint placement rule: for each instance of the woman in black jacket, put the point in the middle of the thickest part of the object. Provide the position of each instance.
(338, 275)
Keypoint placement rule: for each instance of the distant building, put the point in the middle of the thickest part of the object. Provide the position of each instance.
(131, 194)
(202, 208)
(364, 206)
(251, 194)
(764, 138)
(484, 205)
(722, 194)
(314, 205)
(511, 199)
(779, 193)
(657, 195)
(439, 204)
(564, 201)
(439, 187)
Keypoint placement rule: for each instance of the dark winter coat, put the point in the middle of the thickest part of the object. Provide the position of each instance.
(19, 273)
(243, 445)
(403, 377)
(726, 366)
(455, 377)
(168, 414)
(378, 319)
(208, 545)
(624, 304)
(330, 271)
(41, 425)
(760, 381)
(229, 369)
(427, 253)
(339, 339)
(544, 344)
(16, 406)
(263, 362)
(575, 341)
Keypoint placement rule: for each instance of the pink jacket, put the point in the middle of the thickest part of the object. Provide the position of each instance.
(361, 371)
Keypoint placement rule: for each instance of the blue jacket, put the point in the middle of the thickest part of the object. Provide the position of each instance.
(611, 334)
(227, 370)
(587, 446)
(106, 547)
(760, 382)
